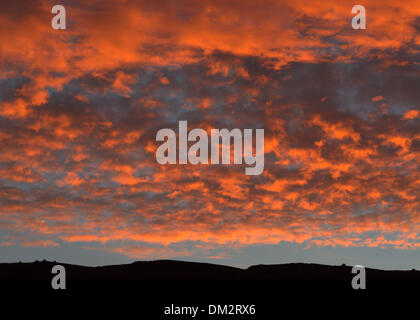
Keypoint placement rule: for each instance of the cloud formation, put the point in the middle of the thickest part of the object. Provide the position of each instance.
(79, 112)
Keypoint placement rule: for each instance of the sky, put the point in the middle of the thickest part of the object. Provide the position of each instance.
(340, 108)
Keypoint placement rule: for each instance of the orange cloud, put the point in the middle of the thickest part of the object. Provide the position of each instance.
(79, 112)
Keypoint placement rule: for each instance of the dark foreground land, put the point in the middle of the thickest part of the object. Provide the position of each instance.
(178, 270)
(147, 288)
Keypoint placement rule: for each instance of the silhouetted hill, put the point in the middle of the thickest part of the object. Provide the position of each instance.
(309, 271)
(275, 290)
(179, 270)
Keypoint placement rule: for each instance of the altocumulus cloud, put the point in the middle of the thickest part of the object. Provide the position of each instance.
(80, 108)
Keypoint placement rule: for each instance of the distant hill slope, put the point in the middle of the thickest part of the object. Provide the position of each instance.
(179, 270)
